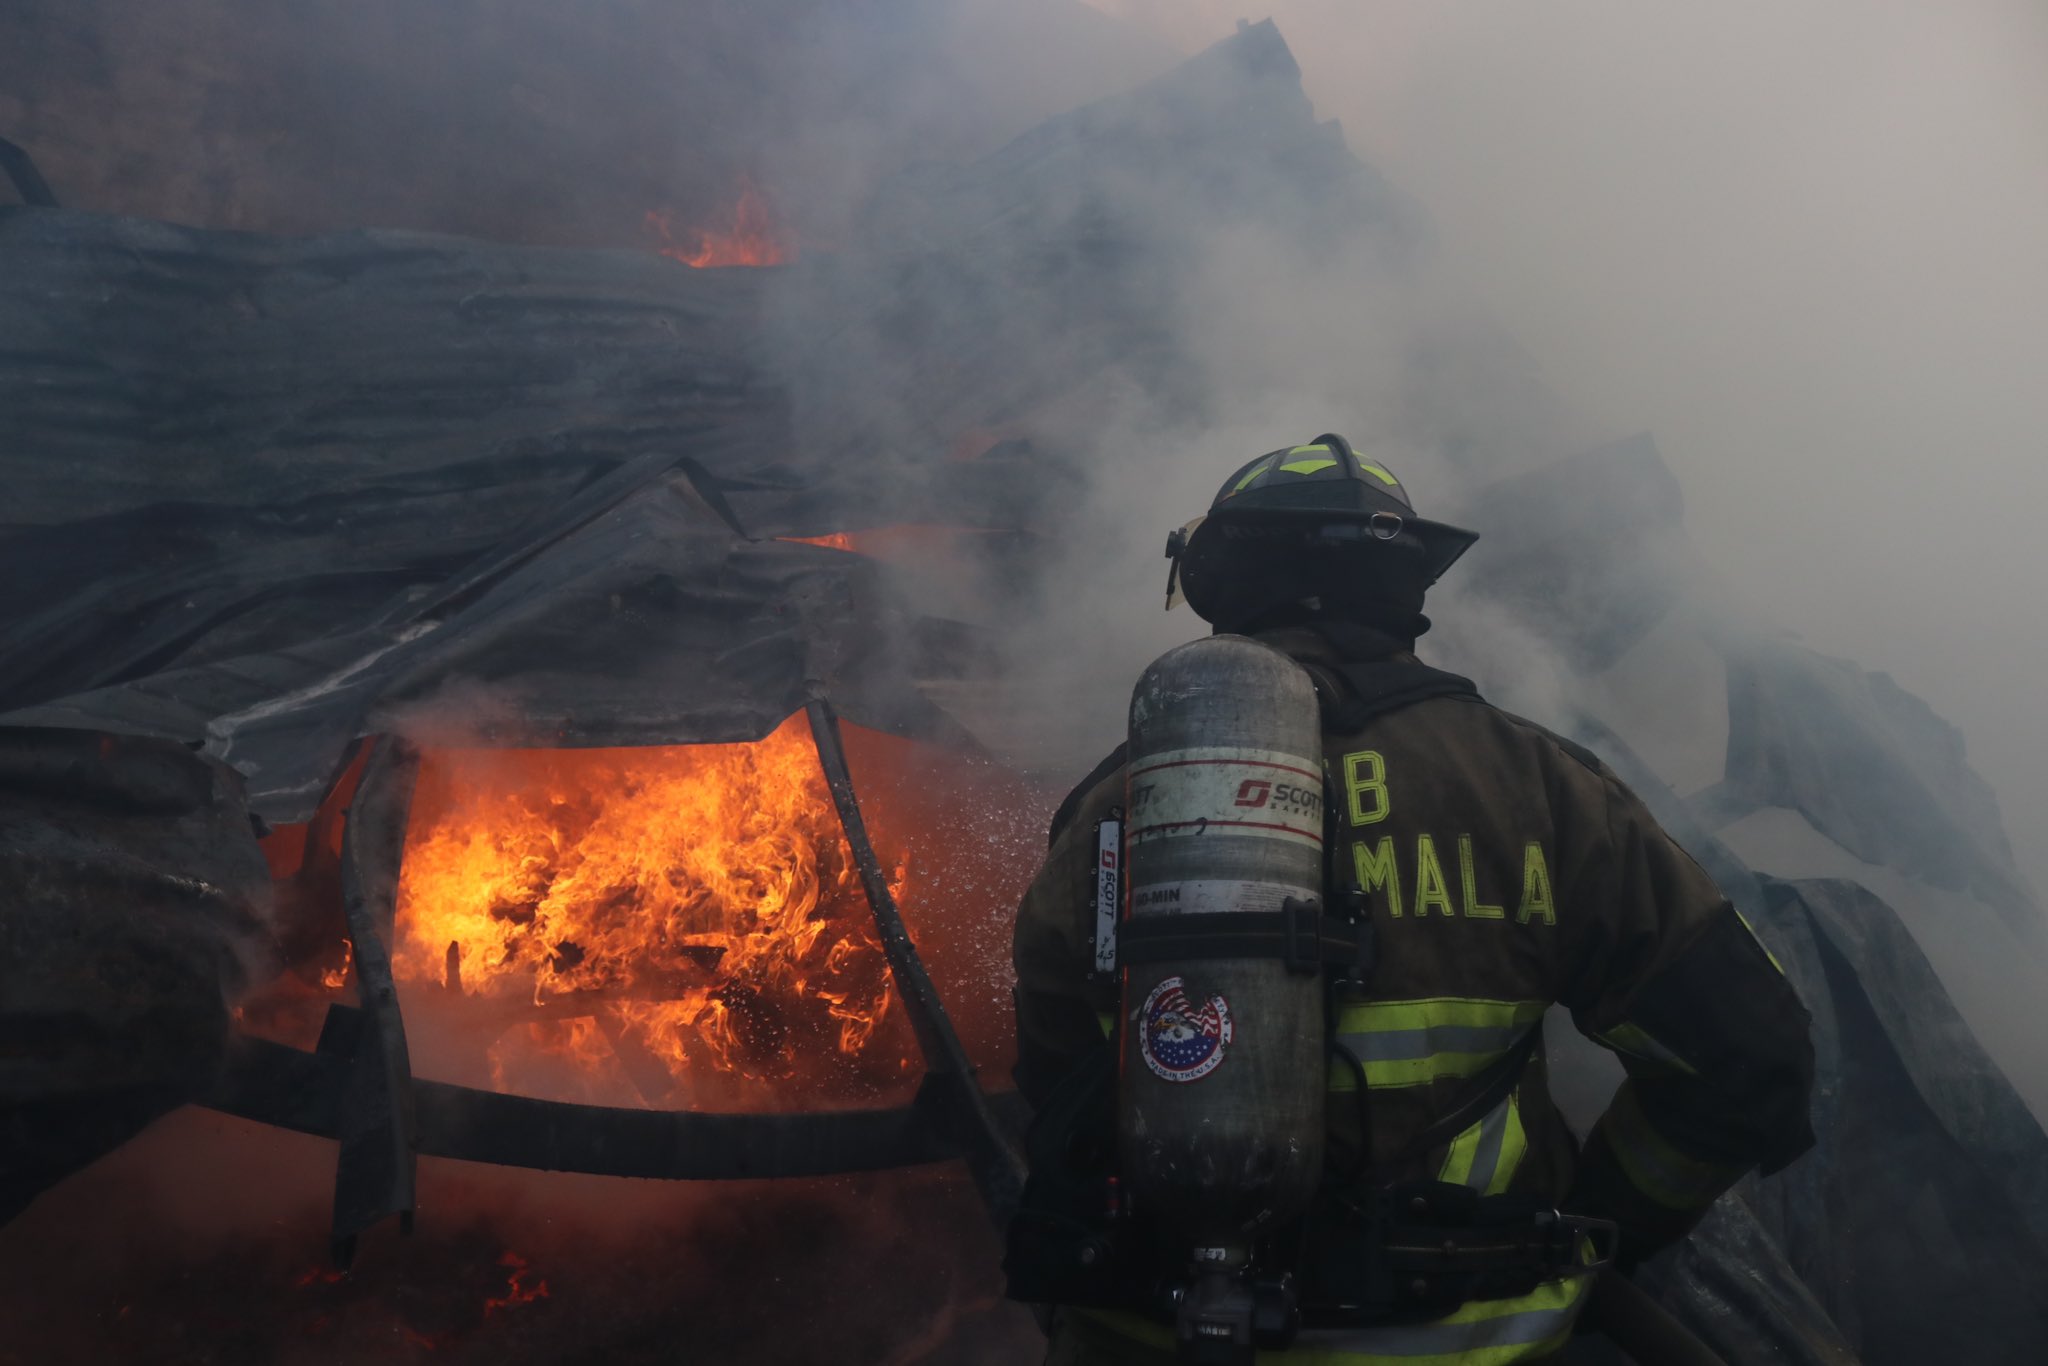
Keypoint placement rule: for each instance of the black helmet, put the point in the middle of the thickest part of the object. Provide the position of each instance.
(1309, 522)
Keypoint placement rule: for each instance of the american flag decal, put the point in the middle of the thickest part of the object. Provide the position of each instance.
(1182, 1041)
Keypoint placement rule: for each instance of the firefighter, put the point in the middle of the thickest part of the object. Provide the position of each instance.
(1501, 870)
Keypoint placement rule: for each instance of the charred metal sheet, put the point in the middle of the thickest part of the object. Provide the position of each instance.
(950, 1084)
(374, 1176)
(272, 1083)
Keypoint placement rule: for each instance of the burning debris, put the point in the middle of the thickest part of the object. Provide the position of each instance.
(750, 236)
(697, 903)
(294, 505)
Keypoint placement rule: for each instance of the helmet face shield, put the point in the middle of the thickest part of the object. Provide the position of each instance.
(1176, 546)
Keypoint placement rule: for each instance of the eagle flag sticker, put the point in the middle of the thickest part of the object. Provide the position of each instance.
(1183, 1041)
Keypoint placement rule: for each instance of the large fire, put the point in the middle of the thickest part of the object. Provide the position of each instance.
(749, 238)
(691, 911)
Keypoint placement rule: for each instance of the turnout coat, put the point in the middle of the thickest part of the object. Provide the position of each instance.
(1505, 871)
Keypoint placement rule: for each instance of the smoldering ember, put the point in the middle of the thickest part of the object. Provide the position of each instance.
(536, 671)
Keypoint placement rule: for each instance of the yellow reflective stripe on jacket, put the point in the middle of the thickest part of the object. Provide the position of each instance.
(1656, 1168)
(1481, 1333)
(1759, 941)
(1413, 1043)
(1639, 1043)
(1487, 1155)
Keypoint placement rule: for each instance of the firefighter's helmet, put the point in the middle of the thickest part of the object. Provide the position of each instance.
(1307, 522)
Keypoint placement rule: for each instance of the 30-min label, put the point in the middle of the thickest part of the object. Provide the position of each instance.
(1207, 896)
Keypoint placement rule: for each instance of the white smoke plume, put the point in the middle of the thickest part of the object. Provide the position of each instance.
(1799, 243)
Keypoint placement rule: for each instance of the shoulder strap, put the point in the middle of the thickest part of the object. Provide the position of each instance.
(1351, 693)
(1071, 803)
(1355, 692)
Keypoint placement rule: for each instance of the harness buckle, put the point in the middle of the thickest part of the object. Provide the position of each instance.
(1301, 926)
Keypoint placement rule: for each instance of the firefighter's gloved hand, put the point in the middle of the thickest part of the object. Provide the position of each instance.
(1602, 1191)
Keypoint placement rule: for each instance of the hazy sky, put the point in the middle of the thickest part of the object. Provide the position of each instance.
(1806, 244)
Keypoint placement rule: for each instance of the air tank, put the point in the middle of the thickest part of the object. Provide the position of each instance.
(1222, 1079)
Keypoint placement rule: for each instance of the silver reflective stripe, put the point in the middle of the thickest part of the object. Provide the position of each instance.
(1486, 1159)
(1405, 1045)
(1455, 1339)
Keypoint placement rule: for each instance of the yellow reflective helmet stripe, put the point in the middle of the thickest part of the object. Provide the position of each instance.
(1251, 474)
(1656, 1168)
(1308, 466)
(1309, 450)
(1381, 471)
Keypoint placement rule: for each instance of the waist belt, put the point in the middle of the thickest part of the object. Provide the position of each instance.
(1420, 1250)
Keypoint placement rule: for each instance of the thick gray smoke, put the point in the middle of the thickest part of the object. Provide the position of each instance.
(1798, 248)
(1801, 244)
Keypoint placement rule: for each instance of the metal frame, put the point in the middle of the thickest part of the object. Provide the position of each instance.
(357, 1085)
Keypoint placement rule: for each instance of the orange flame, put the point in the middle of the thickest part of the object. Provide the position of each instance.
(515, 1294)
(831, 540)
(751, 240)
(910, 543)
(335, 978)
(691, 910)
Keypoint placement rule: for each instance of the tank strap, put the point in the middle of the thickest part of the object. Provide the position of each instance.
(1354, 692)
(1298, 934)
(1070, 805)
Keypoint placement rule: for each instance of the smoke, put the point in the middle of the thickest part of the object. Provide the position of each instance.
(1800, 244)
(1798, 247)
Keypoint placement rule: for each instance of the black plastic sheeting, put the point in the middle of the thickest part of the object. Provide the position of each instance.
(633, 618)
(1821, 736)
(271, 493)
(133, 902)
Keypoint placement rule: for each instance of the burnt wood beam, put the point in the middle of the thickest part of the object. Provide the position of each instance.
(950, 1085)
(376, 1122)
(28, 181)
(275, 1084)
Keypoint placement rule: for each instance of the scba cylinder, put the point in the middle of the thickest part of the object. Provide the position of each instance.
(1220, 1105)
